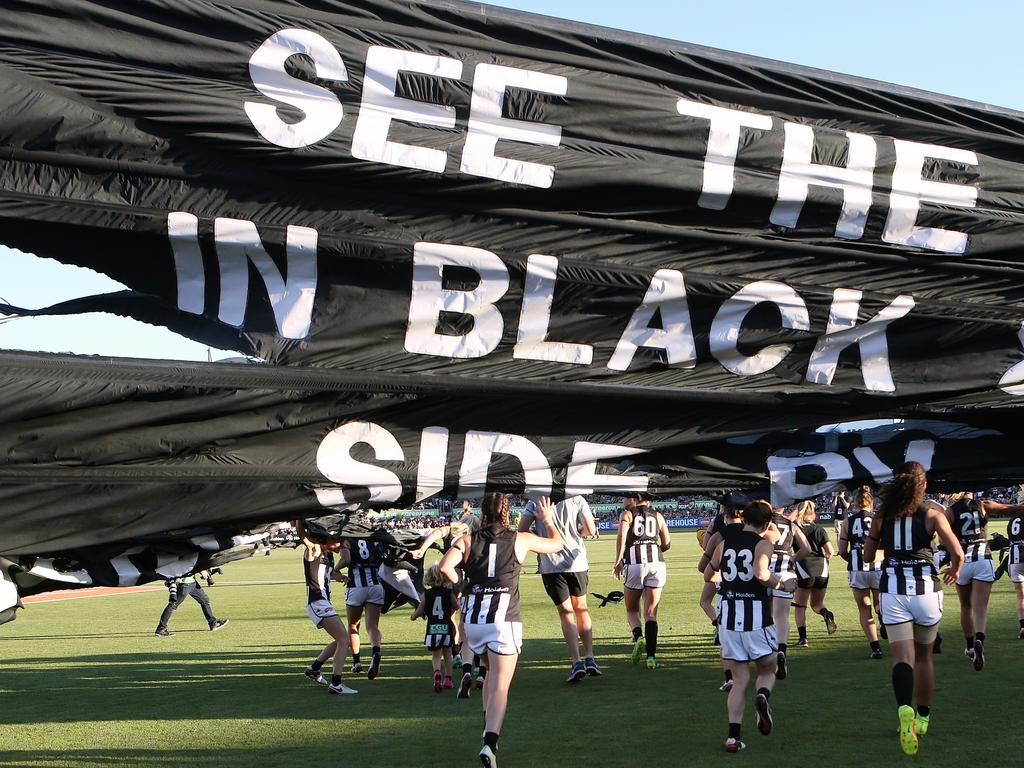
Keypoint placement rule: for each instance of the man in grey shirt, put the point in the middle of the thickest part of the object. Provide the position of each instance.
(565, 576)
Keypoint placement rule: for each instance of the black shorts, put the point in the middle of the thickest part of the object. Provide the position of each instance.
(812, 582)
(561, 586)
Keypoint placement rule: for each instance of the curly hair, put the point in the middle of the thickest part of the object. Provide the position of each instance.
(494, 511)
(864, 500)
(434, 578)
(905, 492)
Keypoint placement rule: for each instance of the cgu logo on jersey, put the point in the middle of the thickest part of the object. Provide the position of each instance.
(808, 475)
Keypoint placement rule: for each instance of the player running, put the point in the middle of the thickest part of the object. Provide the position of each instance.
(911, 591)
(785, 535)
(863, 575)
(365, 593)
(812, 572)
(491, 559)
(746, 629)
(639, 553)
(438, 605)
(319, 569)
(1015, 566)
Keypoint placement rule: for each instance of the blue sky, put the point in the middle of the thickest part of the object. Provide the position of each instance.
(969, 50)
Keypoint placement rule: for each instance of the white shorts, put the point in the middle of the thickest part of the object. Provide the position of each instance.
(1016, 571)
(781, 593)
(864, 579)
(319, 610)
(748, 646)
(976, 570)
(505, 638)
(358, 596)
(653, 575)
(923, 610)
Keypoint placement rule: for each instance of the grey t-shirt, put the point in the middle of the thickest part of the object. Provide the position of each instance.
(567, 518)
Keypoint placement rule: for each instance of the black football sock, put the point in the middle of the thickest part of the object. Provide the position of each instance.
(315, 666)
(765, 692)
(651, 637)
(802, 632)
(876, 646)
(376, 650)
(924, 711)
(734, 731)
(903, 683)
(1022, 623)
(467, 668)
(969, 641)
(637, 633)
(980, 637)
(491, 740)
(481, 672)
(782, 647)
(335, 679)
(355, 657)
(728, 675)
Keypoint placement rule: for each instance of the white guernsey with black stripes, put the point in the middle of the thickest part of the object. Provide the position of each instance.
(970, 523)
(862, 574)
(365, 558)
(318, 587)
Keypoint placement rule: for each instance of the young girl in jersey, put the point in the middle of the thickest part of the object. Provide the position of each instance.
(911, 591)
(491, 559)
(812, 572)
(438, 606)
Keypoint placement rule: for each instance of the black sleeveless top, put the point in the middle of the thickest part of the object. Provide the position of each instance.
(746, 604)
(971, 528)
(364, 563)
(491, 595)
(858, 523)
(643, 537)
(782, 554)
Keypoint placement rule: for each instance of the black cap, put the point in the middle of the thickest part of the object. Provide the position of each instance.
(734, 499)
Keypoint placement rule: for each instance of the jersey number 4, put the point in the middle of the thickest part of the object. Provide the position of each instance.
(438, 610)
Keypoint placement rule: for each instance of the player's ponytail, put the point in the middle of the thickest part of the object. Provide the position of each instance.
(494, 511)
(864, 501)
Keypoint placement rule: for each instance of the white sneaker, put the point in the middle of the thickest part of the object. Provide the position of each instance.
(341, 689)
(969, 653)
(734, 745)
(488, 758)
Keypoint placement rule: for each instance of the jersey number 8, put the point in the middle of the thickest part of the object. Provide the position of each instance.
(364, 549)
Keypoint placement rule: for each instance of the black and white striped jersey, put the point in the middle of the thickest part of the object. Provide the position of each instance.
(858, 523)
(643, 537)
(318, 577)
(492, 578)
(909, 567)
(746, 604)
(364, 562)
(1015, 533)
(971, 528)
(782, 554)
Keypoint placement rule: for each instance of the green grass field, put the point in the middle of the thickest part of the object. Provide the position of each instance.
(86, 684)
